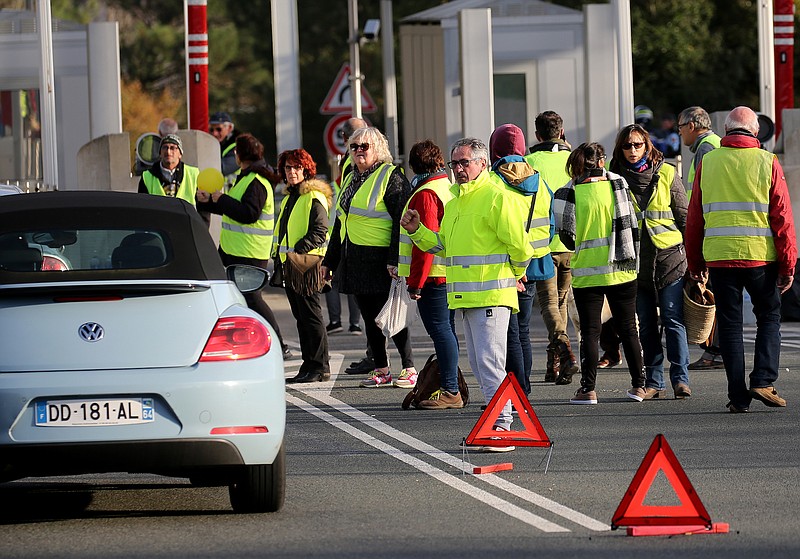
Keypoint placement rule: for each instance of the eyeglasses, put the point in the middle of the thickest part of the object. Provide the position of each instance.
(684, 124)
(215, 128)
(630, 145)
(295, 167)
(356, 147)
(463, 163)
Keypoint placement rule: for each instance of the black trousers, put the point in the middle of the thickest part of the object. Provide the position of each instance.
(622, 301)
(370, 306)
(311, 330)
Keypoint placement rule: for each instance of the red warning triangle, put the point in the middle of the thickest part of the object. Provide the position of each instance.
(633, 512)
(532, 433)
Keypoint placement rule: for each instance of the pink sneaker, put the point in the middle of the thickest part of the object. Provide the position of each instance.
(377, 378)
(407, 378)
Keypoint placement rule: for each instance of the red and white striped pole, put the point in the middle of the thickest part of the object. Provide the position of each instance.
(197, 63)
(783, 25)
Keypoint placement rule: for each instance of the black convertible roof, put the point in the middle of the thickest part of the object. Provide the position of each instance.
(194, 255)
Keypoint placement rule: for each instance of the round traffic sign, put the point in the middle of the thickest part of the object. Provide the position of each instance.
(332, 136)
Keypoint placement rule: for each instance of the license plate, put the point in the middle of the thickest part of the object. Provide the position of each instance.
(80, 413)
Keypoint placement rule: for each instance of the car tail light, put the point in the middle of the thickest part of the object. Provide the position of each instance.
(242, 430)
(52, 264)
(235, 338)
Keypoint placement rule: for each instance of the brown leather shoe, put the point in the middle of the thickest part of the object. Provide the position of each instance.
(769, 396)
(607, 361)
(552, 365)
(654, 394)
(682, 391)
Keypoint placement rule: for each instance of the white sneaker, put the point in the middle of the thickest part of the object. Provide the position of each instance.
(407, 378)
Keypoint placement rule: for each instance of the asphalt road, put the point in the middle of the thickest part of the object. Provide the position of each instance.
(368, 479)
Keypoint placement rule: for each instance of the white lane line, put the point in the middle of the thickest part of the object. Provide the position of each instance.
(498, 482)
(448, 479)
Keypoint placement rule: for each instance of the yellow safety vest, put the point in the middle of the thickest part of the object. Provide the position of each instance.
(485, 247)
(538, 234)
(368, 222)
(186, 190)
(249, 240)
(594, 212)
(657, 218)
(297, 225)
(712, 139)
(735, 186)
(445, 191)
(552, 167)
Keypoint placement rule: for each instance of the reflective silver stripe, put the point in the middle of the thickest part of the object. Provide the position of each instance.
(467, 261)
(540, 243)
(405, 239)
(404, 259)
(478, 286)
(373, 200)
(520, 264)
(593, 243)
(265, 217)
(437, 247)
(652, 214)
(370, 213)
(639, 216)
(538, 222)
(739, 232)
(248, 230)
(736, 206)
(596, 271)
(439, 261)
(285, 249)
(663, 229)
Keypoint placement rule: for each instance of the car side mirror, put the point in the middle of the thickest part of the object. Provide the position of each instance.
(247, 278)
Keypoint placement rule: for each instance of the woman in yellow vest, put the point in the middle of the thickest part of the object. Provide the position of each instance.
(302, 228)
(363, 247)
(247, 212)
(425, 273)
(595, 217)
(660, 201)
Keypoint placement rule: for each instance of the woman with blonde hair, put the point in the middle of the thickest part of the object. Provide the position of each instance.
(363, 249)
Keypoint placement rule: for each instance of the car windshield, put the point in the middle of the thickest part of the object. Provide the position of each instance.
(47, 250)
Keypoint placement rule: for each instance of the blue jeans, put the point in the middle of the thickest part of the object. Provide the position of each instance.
(519, 354)
(670, 302)
(439, 322)
(761, 284)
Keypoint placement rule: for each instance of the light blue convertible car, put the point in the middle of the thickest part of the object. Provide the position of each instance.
(142, 356)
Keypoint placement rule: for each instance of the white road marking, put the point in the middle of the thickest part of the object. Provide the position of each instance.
(322, 395)
(448, 479)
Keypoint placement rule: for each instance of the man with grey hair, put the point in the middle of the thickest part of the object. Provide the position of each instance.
(167, 126)
(694, 127)
(170, 176)
(740, 230)
(487, 253)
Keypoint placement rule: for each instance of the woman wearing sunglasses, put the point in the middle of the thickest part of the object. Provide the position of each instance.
(661, 206)
(595, 217)
(363, 249)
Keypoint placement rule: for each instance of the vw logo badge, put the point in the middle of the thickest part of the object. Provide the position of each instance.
(91, 332)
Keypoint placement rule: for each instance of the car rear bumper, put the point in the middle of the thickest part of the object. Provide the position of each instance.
(179, 458)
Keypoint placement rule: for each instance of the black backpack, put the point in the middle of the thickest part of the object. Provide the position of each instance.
(429, 381)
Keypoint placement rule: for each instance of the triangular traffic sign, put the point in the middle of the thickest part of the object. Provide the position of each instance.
(532, 433)
(633, 512)
(339, 98)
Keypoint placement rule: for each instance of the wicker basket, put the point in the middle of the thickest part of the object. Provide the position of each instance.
(698, 312)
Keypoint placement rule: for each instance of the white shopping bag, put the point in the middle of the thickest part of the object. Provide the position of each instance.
(399, 310)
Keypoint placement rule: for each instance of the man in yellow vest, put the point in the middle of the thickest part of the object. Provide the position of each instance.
(694, 127)
(740, 229)
(221, 127)
(487, 252)
(549, 158)
(170, 176)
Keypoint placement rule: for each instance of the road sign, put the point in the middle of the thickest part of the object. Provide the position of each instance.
(339, 99)
(332, 136)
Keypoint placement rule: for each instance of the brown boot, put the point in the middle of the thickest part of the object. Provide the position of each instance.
(552, 364)
(568, 365)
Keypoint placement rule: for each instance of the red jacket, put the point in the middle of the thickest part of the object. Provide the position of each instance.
(431, 211)
(780, 219)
